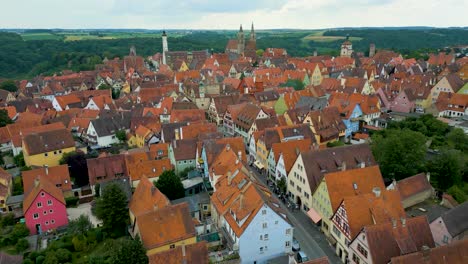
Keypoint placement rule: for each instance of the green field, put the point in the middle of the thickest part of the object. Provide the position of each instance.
(319, 37)
(40, 36)
(77, 36)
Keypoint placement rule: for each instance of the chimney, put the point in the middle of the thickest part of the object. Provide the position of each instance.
(36, 181)
(183, 251)
(176, 134)
(228, 147)
(394, 222)
(343, 166)
(239, 155)
(229, 177)
(403, 221)
(428, 176)
(376, 191)
(46, 167)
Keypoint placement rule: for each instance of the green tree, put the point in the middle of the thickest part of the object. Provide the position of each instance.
(129, 251)
(294, 83)
(105, 87)
(78, 167)
(80, 225)
(458, 194)
(19, 160)
(457, 139)
(19, 231)
(282, 185)
(21, 245)
(4, 118)
(260, 52)
(447, 168)
(171, 185)
(80, 243)
(64, 255)
(121, 135)
(9, 85)
(111, 208)
(51, 258)
(400, 153)
(7, 220)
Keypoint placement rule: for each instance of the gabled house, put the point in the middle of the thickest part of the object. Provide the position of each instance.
(454, 253)
(337, 185)
(102, 132)
(311, 166)
(350, 112)
(183, 154)
(102, 102)
(218, 106)
(106, 168)
(188, 254)
(141, 165)
(450, 83)
(283, 155)
(414, 189)
(355, 212)
(145, 199)
(165, 228)
(244, 120)
(250, 219)
(44, 207)
(57, 175)
(65, 102)
(451, 226)
(326, 125)
(404, 102)
(47, 148)
(379, 243)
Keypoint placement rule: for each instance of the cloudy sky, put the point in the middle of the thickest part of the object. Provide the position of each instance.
(222, 14)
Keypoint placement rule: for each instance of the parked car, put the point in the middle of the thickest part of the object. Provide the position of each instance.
(302, 257)
(10, 166)
(295, 245)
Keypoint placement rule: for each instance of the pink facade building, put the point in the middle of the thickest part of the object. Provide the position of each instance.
(44, 207)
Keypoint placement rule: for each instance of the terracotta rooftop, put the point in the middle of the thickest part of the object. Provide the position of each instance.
(42, 185)
(147, 198)
(166, 225)
(413, 185)
(187, 254)
(57, 175)
(37, 143)
(454, 253)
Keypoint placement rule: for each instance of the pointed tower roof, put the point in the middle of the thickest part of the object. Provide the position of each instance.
(241, 28)
(164, 33)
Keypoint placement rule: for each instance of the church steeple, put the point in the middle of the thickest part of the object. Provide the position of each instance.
(240, 41)
(240, 30)
(253, 37)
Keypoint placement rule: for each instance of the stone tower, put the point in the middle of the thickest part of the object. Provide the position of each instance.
(165, 48)
(132, 51)
(371, 50)
(346, 48)
(253, 37)
(240, 41)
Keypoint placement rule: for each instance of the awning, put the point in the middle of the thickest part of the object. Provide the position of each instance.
(314, 215)
(258, 164)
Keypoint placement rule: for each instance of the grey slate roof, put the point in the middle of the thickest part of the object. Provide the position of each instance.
(110, 125)
(456, 220)
(312, 103)
(194, 201)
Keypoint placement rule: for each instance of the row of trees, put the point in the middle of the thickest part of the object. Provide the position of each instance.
(424, 144)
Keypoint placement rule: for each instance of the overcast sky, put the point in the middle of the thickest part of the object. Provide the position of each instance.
(222, 14)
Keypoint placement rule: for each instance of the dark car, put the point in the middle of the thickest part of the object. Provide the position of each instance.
(302, 257)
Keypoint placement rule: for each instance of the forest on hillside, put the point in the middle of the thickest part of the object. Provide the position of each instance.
(26, 59)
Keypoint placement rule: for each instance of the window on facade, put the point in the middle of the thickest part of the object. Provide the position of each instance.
(288, 243)
(276, 222)
(172, 246)
(42, 194)
(45, 212)
(265, 237)
(45, 154)
(337, 232)
(51, 211)
(356, 259)
(55, 152)
(362, 250)
(261, 249)
(52, 221)
(264, 225)
(264, 212)
(261, 237)
(47, 222)
(445, 239)
(288, 231)
(36, 216)
(39, 205)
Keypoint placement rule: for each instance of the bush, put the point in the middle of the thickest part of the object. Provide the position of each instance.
(457, 193)
(7, 220)
(21, 245)
(79, 243)
(19, 231)
(40, 259)
(71, 201)
(64, 255)
(335, 144)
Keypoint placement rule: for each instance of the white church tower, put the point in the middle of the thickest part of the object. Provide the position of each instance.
(164, 46)
(346, 48)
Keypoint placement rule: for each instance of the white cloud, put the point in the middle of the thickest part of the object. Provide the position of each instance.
(216, 14)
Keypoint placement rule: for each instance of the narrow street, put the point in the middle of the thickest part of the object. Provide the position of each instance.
(312, 241)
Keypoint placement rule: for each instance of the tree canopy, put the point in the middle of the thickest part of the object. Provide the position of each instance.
(400, 153)
(171, 185)
(294, 83)
(4, 118)
(77, 166)
(9, 85)
(447, 168)
(111, 208)
(129, 251)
